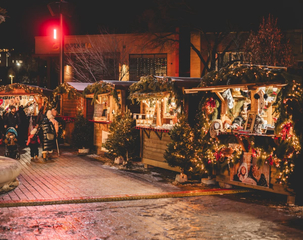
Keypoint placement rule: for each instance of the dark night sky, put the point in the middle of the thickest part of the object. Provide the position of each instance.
(29, 18)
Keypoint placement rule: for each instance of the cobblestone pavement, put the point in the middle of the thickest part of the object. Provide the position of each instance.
(240, 216)
(206, 217)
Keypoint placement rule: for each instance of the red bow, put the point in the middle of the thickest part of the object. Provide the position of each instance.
(211, 102)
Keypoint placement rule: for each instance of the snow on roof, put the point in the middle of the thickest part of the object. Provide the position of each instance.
(79, 86)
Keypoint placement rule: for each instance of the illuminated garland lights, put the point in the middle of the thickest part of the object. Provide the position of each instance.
(26, 88)
(289, 129)
(152, 88)
(193, 150)
(245, 74)
(213, 153)
(281, 150)
(205, 154)
(288, 106)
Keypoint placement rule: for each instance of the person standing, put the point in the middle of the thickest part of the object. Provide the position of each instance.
(49, 133)
(12, 119)
(33, 142)
(23, 128)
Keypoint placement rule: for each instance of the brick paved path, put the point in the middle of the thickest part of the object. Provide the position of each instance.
(70, 176)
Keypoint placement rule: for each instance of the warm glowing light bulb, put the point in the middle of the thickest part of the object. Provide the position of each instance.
(55, 33)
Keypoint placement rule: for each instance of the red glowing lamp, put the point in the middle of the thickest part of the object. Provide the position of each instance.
(55, 34)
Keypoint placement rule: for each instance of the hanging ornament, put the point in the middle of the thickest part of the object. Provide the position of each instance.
(215, 128)
(210, 106)
(286, 129)
(229, 98)
(261, 97)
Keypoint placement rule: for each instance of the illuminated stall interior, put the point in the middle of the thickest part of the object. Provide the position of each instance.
(107, 97)
(161, 100)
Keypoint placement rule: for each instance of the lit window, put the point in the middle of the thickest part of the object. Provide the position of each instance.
(147, 64)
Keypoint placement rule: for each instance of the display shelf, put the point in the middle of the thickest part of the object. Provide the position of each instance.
(104, 122)
(247, 134)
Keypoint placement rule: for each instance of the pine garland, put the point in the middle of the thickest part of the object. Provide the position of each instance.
(101, 87)
(289, 130)
(150, 87)
(65, 88)
(26, 88)
(242, 74)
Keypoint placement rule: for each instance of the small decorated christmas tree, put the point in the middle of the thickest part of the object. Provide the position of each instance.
(123, 140)
(180, 150)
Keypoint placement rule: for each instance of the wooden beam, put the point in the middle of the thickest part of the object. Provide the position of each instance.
(220, 96)
(221, 88)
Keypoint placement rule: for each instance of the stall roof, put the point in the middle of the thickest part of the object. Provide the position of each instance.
(80, 86)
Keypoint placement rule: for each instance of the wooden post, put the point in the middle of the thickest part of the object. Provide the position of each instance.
(158, 112)
(122, 100)
(254, 106)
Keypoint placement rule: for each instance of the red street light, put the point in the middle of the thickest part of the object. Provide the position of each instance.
(55, 33)
(60, 8)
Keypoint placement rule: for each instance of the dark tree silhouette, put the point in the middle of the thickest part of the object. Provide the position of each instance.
(268, 46)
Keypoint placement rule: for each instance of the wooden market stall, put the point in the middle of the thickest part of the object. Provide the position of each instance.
(17, 94)
(69, 101)
(30, 97)
(161, 99)
(107, 98)
(248, 121)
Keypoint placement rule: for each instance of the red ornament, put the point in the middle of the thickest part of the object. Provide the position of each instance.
(286, 130)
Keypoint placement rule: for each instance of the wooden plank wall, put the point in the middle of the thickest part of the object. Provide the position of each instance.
(98, 128)
(69, 106)
(153, 150)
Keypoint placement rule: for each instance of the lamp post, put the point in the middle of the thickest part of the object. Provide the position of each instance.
(11, 76)
(61, 47)
(60, 8)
